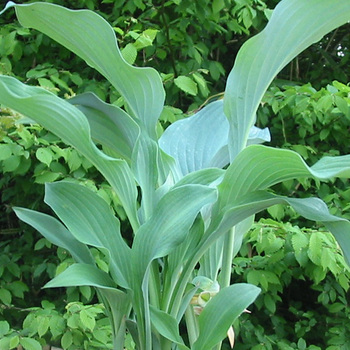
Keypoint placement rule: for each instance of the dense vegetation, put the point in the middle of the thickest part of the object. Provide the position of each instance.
(192, 44)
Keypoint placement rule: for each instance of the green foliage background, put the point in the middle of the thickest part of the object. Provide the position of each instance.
(193, 44)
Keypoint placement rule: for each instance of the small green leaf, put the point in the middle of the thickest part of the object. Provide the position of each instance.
(5, 343)
(30, 344)
(299, 241)
(67, 340)
(57, 325)
(129, 53)
(270, 303)
(44, 155)
(5, 296)
(46, 176)
(342, 105)
(301, 344)
(218, 5)
(315, 248)
(186, 84)
(4, 328)
(11, 163)
(87, 320)
(61, 83)
(74, 160)
(336, 307)
(43, 325)
(14, 341)
(5, 152)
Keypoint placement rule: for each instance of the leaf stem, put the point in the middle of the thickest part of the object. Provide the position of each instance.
(226, 269)
(192, 325)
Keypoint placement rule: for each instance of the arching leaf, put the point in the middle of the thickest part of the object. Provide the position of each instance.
(291, 30)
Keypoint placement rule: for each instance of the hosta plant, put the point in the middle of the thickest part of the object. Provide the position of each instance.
(189, 195)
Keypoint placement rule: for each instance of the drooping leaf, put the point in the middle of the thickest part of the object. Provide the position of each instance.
(70, 124)
(81, 211)
(221, 311)
(290, 30)
(310, 208)
(258, 167)
(82, 275)
(141, 88)
(56, 233)
(110, 125)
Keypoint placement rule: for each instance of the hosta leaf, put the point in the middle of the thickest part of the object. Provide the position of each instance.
(164, 231)
(221, 311)
(80, 209)
(110, 125)
(141, 88)
(70, 124)
(56, 233)
(258, 167)
(145, 167)
(289, 31)
(200, 141)
(167, 326)
(311, 208)
(82, 275)
(202, 177)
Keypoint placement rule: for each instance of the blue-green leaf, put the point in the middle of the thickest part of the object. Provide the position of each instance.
(170, 222)
(290, 30)
(258, 167)
(141, 88)
(221, 311)
(82, 275)
(200, 141)
(110, 125)
(70, 124)
(91, 221)
(56, 233)
(167, 326)
(311, 208)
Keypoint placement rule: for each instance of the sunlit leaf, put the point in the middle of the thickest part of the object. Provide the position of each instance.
(290, 30)
(220, 312)
(141, 87)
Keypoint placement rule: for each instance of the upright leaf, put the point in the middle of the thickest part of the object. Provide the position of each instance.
(141, 88)
(290, 30)
(170, 222)
(221, 311)
(80, 209)
(145, 165)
